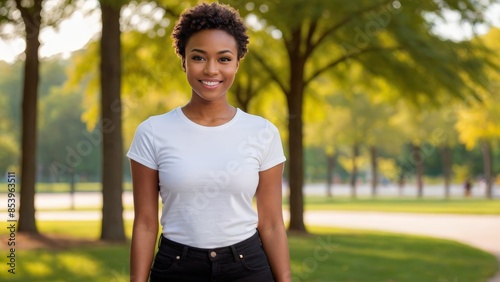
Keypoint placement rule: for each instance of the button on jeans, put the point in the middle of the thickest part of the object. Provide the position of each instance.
(243, 262)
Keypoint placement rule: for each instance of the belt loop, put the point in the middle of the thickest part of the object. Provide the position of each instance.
(184, 252)
(235, 254)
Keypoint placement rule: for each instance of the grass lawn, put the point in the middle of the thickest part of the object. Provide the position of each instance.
(327, 255)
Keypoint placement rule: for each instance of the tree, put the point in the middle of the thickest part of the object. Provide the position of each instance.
(112, 227)
(10, 98)
(133, 62)
(478, 121)
(28, 20)
(66, 150)
(390, 40)
(371, 110)
(382, 136)
(10, 116)
(31, 17)
(478, 125)
(8, 150)
(324, 121)
(418, 127)
(250, 81)
(444, 136)
(331, 161)
(354, 130)
(367, 126)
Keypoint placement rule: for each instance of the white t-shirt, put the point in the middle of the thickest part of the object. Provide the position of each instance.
(208, 175)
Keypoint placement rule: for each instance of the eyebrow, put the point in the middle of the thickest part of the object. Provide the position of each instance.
(204, 52)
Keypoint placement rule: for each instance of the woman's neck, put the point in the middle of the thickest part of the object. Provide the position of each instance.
(209, 114)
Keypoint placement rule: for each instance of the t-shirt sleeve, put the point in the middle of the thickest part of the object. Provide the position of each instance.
(274, 154)
(142, 149)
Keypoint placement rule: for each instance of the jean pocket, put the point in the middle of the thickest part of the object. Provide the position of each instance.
(164, 262)
(255, 259)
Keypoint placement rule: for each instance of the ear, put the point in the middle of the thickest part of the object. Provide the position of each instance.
(237, 66)
(183, 63)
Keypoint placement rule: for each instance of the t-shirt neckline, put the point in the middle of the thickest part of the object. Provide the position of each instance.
(184, 118)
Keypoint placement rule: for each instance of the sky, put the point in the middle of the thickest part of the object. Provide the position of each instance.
(75, 32)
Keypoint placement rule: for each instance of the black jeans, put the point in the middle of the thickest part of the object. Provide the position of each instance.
(245, 261)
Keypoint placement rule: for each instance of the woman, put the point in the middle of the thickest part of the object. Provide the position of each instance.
(208, 160)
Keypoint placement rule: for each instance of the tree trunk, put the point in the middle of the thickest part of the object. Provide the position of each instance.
(243, 93)
(330, 169)
(296, 163)
(32, 20)
(72, 188)
(488, 168)
(401, 183)
(295, 97)
(112, 168)
(354, 174)
(374, 168)
(419, 169)
(447, 162)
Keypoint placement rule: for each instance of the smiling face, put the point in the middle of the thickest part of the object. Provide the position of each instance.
(210, 63)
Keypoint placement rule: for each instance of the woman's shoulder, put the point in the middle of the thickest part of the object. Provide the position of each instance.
(161, 118)
(155, 122)
(256, 121)
(253, 118)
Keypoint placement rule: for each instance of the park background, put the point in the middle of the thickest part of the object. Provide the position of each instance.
(376, 105)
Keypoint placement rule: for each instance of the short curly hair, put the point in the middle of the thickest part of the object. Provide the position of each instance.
(210, 16)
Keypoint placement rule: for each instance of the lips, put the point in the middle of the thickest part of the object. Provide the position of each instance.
(210, 83)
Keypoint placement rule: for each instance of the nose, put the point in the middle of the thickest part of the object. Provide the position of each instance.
(211, 67)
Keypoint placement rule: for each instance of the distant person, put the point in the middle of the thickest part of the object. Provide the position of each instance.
(207, 160)
(468, 187)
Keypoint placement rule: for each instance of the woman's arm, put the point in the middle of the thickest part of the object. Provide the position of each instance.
(145, 228)
(271, 226)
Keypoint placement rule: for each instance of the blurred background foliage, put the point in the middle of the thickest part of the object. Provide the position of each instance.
(361, 118)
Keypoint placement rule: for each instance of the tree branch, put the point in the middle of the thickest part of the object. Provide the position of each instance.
(169, 11)
(31, 17)
(309, 45)
(333, 63)
(271, 72)
(347, 19)
(23, 10)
